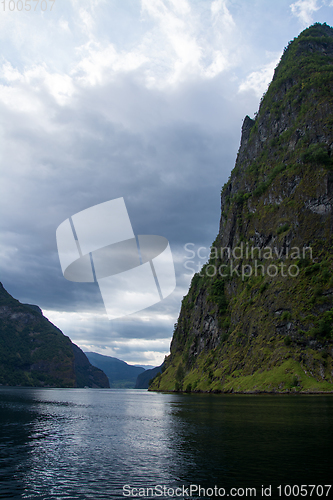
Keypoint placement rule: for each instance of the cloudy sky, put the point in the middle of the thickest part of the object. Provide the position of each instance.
(140, 99)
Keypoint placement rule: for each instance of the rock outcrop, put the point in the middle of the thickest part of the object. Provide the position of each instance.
(259, 315)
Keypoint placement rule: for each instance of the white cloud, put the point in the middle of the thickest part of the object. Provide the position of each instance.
(86, 12)
(303, 9)
(87, 21)
(63, 24)
(61, 87)
(10, 74)
(177, 30)
(175, 48)
(94, 332)
(179, 49)
(20, 100)
(99, 63)
(220, 11)
(181, 6)
(29, 83)
(134, 351)
(258, 81)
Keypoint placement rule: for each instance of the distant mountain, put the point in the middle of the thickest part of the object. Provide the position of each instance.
(119, 373)
(143, 380)
(87, 375)
(34, 352)
(146, 367)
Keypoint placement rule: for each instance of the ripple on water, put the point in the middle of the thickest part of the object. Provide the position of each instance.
(77, 444)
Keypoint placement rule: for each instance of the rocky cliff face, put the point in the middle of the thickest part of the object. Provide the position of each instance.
(259, 315)
(33, 352)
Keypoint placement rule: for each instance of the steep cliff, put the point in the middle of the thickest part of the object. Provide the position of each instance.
(33, 352)
(258, 316)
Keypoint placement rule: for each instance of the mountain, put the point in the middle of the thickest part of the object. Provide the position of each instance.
(34, 352)
(144, 379)
(119, 373)
(146, 367)
(258, 316)
(87, 375)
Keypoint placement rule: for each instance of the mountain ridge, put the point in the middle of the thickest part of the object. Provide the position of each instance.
(258, 317)
(120, 374)
(144, 378)
(34, 352)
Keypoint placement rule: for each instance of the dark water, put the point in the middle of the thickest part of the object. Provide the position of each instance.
(88, 444)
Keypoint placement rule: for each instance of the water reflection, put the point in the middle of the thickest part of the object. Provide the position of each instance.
(77, 444)
(16, 431)
(248, 441)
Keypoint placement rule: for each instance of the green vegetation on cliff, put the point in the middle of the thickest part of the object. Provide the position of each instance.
(259, 315)
(34, 352)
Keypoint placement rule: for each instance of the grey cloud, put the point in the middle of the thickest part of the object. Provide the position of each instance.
(167, 154)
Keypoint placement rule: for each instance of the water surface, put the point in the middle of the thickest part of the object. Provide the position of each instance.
(88, 443)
